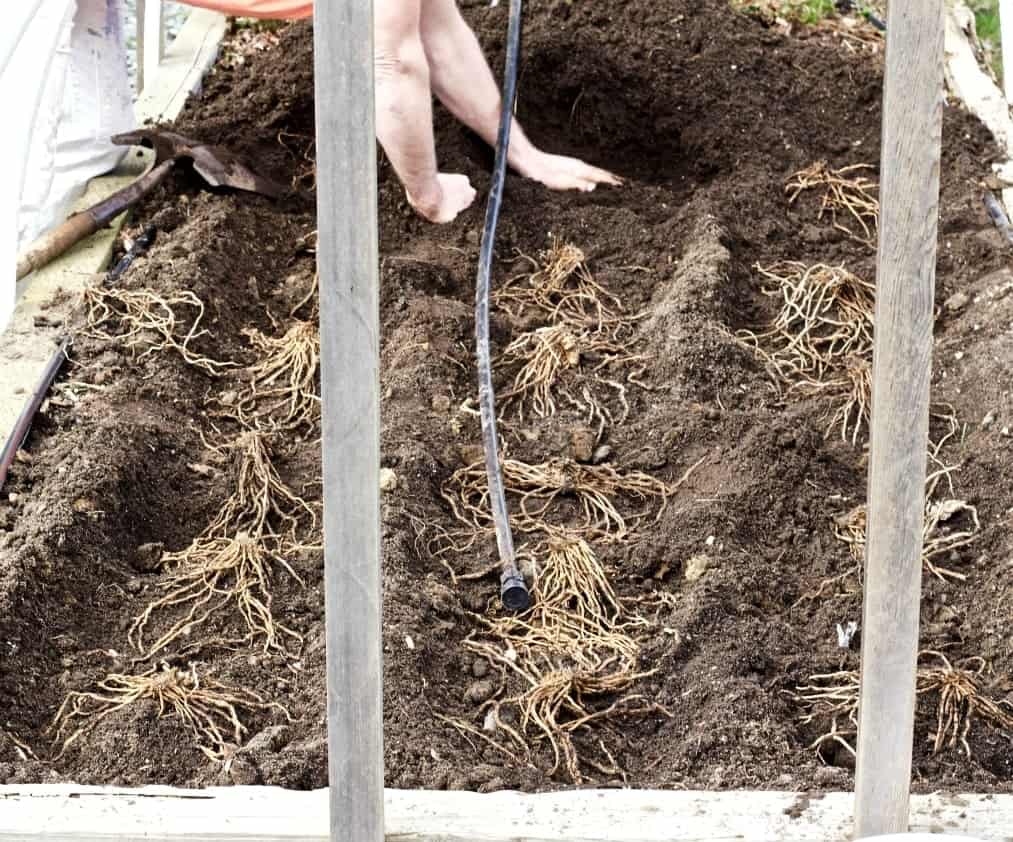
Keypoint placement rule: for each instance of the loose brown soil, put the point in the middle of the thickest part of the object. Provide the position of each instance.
(707, 114)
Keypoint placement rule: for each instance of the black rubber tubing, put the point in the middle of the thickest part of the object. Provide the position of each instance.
(513, 589)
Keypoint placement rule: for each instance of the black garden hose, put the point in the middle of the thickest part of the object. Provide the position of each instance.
(513, 590)
(24, 422)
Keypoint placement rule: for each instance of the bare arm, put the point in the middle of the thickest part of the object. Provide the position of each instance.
(404, 115)
(461, 78)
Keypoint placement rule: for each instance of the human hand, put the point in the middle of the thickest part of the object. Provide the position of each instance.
(558, 172)
(449, 194)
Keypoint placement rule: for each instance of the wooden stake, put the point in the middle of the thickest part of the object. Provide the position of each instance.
(149, 44)
(909, 202)
(347, 261)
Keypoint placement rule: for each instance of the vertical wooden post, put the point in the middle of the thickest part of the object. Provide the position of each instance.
(150, 40)
(347, 262)
(905, 288)
(1006, 38)
(140, 13)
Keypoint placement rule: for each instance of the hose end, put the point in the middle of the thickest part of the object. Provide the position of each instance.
(513, 591)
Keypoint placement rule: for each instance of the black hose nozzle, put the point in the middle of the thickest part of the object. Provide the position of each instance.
(513, 591)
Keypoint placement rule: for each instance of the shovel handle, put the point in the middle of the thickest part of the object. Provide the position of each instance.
(54, 243)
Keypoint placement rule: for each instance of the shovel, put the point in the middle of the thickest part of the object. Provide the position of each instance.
(217, 166)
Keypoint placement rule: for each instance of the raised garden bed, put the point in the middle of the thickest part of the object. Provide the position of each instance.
(707, 466)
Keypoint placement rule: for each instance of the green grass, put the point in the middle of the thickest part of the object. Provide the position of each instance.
(986, 21)
(809, 11)
(799, 11)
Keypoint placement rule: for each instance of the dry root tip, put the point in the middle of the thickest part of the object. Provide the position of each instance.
(209, 710)
(282, 390)
(149, 321)
(956, 688)
(844, 192)
(541, 487)
(563, 287)
(820, 342)
(574, 647)
(229, 565)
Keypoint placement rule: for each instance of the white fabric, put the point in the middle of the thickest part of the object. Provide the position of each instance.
(63, 79)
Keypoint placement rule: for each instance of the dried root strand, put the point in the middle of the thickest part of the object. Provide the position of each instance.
(849, 393)
(546, 354)
(845, 191)
(281, 391)
(209, 709)
(260, 501)
(563, 287)
(539, 487)
(214, 575)
(820, 342)
(228, 566)
(825, 316)
(573, 648)
(149, 321)
(938, 539)
(21, 748)
(960, 699)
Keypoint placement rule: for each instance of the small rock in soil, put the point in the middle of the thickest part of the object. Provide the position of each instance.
(272, 739)
(388, 480)
(696, 567)
(480, 668)
(601, 454)
(471, 454)
(957, 302)
(829, 776)
(988, 421)
(480, 691)
(441, 403)
(442, 598)
(148, 557)
(243, 773)
(582, 441)
(474, 601)
(527, 569)
(483, 773)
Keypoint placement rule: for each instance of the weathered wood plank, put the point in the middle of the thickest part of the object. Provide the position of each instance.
(976, 90)
(268, 814)
(183, 65)
(348, 263)
(905, 288)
